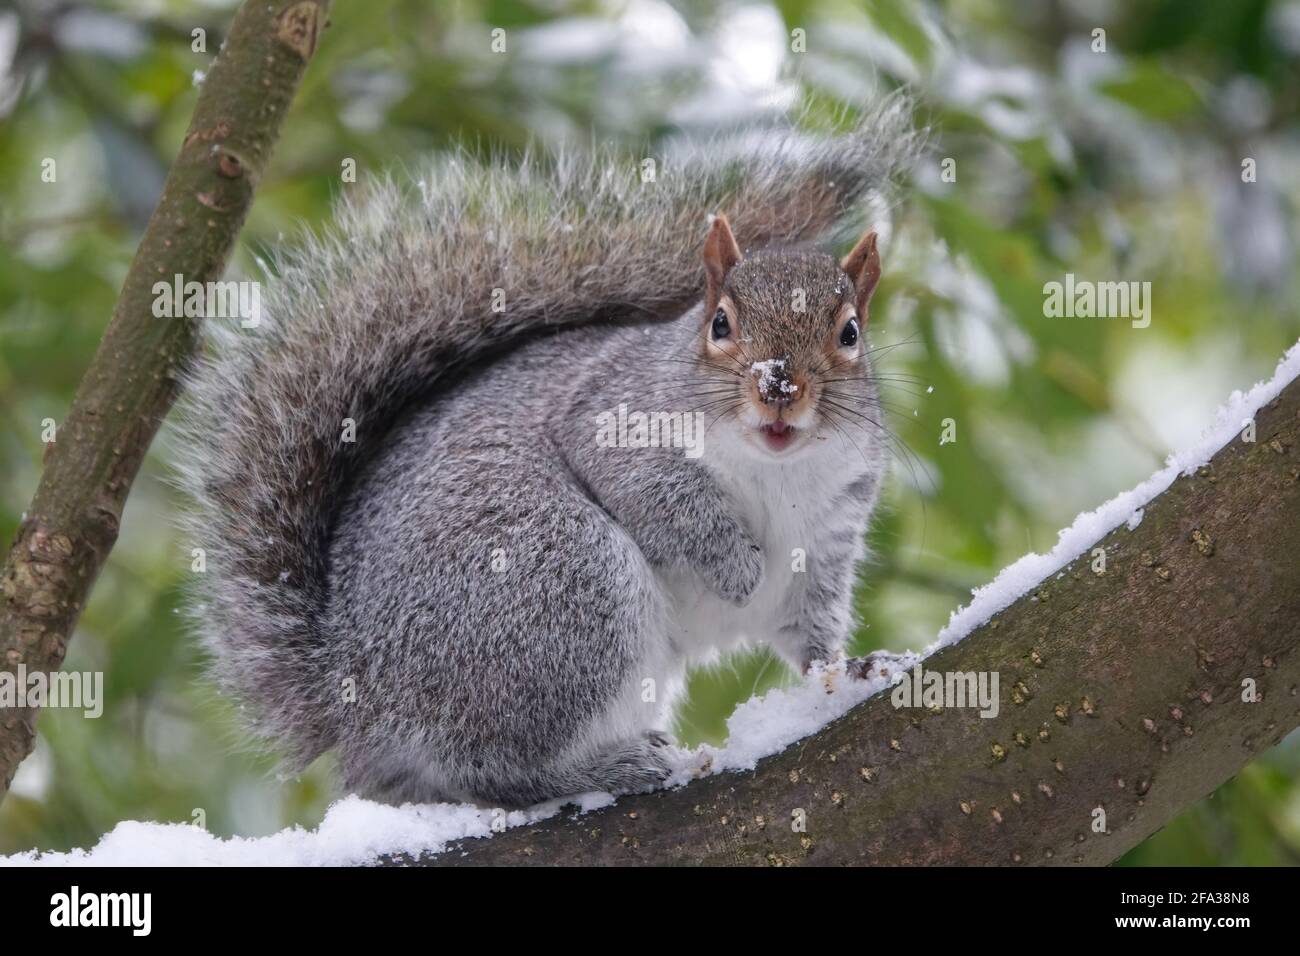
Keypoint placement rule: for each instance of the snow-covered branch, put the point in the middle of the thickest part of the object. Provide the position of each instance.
(1140, 664)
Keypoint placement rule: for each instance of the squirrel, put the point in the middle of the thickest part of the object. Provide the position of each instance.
(434, 546)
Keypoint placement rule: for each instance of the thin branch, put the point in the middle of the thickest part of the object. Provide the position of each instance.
(131, 382)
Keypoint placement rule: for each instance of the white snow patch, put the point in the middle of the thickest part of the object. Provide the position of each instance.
(354, 831)
(765, 725)
(1135, 519)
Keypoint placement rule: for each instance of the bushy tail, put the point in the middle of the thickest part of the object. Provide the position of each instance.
(412, 282)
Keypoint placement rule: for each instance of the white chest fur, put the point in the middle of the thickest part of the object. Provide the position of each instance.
(788, 508)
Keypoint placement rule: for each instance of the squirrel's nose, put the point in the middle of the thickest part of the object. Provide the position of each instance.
(776, 385)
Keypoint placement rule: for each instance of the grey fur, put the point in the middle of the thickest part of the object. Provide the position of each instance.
(497, 588)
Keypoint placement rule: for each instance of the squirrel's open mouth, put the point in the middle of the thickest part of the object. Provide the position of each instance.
(778, 436)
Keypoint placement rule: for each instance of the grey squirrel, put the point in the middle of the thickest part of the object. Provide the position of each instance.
(419, 554)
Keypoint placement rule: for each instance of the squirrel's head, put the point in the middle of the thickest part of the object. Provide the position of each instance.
(786, 329)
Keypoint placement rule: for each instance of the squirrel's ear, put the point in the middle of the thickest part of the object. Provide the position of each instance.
(720, 254)
(863, 267)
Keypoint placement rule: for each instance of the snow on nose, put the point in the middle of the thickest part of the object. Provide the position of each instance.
(775, 385)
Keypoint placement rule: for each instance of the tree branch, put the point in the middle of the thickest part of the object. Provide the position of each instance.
(1121, 691)
(130, 385)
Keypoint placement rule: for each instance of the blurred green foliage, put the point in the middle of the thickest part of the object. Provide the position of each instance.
(1115, 156)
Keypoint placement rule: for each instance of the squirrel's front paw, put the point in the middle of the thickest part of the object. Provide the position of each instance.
(741, 574)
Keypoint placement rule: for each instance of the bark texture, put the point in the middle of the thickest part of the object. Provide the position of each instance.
(73, 520)
(1125, 692)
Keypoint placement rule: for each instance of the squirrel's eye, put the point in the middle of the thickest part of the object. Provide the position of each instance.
(721, 327)
(849, 334)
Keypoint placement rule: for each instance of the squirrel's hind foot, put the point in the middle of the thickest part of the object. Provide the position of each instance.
(632, 766)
